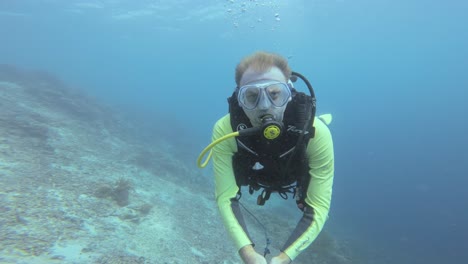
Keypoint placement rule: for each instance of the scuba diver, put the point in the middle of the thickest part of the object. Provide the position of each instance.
(272, 142)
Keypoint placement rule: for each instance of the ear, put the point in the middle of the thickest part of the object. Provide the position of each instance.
(235, 94)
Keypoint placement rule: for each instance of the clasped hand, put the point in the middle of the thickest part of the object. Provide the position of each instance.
(250, 256)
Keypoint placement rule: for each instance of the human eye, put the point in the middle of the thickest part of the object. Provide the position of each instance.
(274, 95)
(251, 95)
(274, 92)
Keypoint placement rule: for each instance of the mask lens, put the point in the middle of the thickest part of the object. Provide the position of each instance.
(251, 97)
(277, 92)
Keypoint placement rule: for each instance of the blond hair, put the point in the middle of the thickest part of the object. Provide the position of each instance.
(261, 61)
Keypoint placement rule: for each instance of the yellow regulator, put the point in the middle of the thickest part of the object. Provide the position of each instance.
(271, 131)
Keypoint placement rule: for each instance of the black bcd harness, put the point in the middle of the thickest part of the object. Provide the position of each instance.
(279, 165)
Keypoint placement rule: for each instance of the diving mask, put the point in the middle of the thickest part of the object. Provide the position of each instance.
(278, 93)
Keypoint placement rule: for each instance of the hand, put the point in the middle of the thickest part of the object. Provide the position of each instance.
(281, 259)
(249, 256)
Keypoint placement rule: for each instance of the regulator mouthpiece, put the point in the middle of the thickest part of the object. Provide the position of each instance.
(270, 127)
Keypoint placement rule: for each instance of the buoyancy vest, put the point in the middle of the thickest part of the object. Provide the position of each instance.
(279, 165)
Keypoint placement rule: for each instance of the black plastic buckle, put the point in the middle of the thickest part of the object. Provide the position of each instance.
(263, 197)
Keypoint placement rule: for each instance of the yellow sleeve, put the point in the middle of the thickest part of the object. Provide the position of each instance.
(319, 192)
(225, 181)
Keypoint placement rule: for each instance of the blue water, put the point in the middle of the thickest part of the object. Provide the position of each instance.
(393, 74)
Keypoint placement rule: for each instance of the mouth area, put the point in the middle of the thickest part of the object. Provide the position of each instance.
(267, 117)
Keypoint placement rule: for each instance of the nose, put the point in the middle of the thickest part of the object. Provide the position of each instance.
(264, 103)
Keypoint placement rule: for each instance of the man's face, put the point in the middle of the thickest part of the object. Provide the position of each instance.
(265, 106)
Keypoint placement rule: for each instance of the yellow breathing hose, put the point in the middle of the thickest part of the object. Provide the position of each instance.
(210, 146)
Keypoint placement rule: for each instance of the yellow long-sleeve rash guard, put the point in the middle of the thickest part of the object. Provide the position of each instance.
(319, 192)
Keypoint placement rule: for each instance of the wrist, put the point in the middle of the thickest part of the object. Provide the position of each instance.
(246, 251)
(284, 258)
